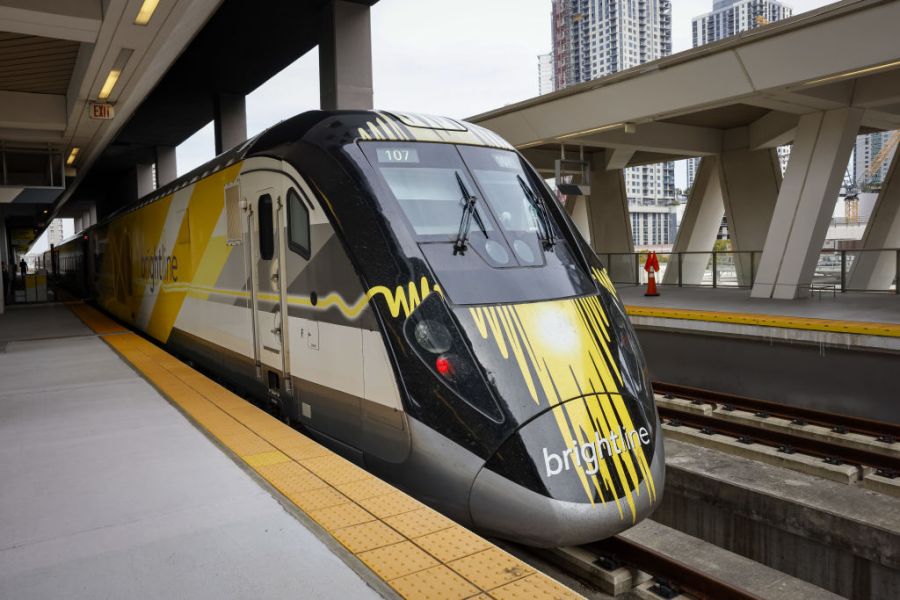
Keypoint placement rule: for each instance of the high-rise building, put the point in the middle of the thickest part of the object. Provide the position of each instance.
(730, 17)
(55, 232)
(595, 38)
(868, 148)
(545, 73)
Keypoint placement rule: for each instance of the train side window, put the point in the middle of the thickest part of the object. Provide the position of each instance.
(266, 229)
(298, 224)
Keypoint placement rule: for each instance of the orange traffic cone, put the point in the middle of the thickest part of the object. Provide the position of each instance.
(651, 283)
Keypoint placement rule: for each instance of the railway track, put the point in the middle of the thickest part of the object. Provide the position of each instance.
(837, 439)
(619, 566)
(671, 577)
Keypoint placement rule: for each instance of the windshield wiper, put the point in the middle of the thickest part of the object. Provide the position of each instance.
(540, 208)
(465, 223)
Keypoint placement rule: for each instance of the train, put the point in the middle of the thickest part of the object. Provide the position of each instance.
(407, 290)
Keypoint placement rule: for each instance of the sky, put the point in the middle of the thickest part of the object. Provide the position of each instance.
(479, 56)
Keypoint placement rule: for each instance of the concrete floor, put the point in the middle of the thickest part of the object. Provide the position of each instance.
(850, 306)
(109, 492)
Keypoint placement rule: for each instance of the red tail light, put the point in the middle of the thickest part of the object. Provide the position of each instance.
(444, 366)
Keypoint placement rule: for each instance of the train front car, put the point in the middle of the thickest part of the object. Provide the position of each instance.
(526, 394)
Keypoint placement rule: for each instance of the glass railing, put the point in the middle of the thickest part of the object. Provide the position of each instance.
(870, 270)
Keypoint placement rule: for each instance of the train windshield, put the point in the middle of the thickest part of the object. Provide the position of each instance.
(484, 227)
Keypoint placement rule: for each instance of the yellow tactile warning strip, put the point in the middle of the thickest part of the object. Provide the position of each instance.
(94, 319)
(808, 323)
(415, 550)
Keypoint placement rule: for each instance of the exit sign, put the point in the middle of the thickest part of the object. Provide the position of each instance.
(102, 110)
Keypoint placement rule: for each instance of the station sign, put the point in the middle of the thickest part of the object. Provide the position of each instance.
(102, 110)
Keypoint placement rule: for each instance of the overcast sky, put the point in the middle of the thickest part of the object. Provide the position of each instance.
(474, 57)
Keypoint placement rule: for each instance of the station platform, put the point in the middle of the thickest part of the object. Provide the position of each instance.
(848, 319)
(126, 473)
(828, 353)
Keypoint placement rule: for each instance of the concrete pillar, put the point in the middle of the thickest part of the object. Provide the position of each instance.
(876, 270)
(345, 57)
(576, 206)
(78, 225)
(750, 183)
(230, 121)
(805, 203)
(699, 225)
(143, 174)
(166, 165)
(604, 217)
(4, 259)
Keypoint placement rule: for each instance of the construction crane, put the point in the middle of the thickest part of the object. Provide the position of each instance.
(851, 199)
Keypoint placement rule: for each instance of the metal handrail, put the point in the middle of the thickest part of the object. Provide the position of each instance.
(745, 271)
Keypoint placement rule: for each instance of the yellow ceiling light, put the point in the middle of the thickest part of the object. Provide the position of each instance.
(590, 131)
(109, 84)
(115, 71)
(72, 154)
(146, 13)
(866, 71)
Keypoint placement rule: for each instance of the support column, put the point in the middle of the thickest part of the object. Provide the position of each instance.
(876, 270)
(805, 203)
(699, 225)
(4, 261)
(750, 183)
(345, 57)
(230, 121)
(166, 165)
(143, 174)
(604, 218)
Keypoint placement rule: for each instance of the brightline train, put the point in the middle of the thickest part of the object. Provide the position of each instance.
(408, 291)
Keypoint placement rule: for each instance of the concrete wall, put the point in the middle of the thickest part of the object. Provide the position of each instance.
(833, 379)
(813, 529)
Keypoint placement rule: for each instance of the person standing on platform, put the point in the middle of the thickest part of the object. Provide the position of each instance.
(23, 266)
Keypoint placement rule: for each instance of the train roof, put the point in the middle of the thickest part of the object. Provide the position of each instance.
(352, 125)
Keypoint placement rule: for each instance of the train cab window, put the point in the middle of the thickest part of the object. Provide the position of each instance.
(298, 224)
(266, 228)
(425, 180)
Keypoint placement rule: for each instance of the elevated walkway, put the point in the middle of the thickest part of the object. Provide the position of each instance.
(109, 491)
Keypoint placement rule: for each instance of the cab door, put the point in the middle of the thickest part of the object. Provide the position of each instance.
(267, 222)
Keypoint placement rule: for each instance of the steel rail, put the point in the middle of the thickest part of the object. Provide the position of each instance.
(785, 441)
(878, 429)
(688, 579)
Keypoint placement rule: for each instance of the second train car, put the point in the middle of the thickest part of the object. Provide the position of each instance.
(408, 291)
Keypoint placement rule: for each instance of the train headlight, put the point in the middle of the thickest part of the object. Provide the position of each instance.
(432, 336)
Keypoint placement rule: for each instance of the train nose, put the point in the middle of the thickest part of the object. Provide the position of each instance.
(539, 491)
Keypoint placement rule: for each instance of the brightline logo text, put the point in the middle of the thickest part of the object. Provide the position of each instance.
(591, 453)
